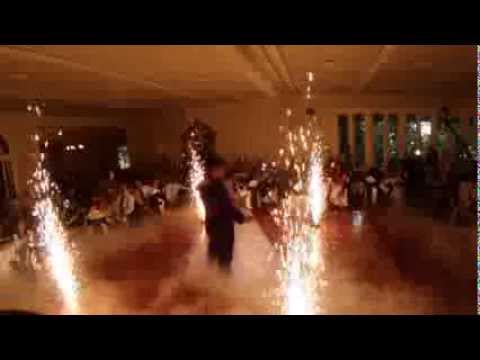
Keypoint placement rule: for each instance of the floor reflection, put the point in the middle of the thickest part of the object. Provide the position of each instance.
(161, 269)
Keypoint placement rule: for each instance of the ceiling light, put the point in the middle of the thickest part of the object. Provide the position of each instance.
(310, 76)
(36, 107)
(329, 63)
(38, 110)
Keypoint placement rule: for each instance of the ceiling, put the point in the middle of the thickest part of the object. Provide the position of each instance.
(144, 76)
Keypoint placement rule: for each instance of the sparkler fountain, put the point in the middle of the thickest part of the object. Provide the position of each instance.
(50, 235)
(316, 187)
(196, 177)
(299, 215)
(198, 142)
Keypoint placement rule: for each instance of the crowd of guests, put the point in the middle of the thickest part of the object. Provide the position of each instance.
(441, 183)
(437, 180)
(118, 202)
(261, 184)
(111, 202)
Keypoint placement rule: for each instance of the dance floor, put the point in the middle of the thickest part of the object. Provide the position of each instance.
(391, 265)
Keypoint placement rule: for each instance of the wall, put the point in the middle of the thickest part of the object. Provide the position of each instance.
(17, 126)
(155, 132)
(251, 127)
(150, 133)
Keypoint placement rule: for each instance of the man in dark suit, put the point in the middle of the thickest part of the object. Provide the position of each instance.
(221, 214)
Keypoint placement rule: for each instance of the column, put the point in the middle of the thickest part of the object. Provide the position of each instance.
(369, 142)
(401, 133)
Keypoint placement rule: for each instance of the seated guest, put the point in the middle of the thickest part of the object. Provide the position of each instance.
(152, 196)
(244, 195)
(270, 197)
(158, 200)
(372, 182)
(127, 203)
(172, 191)
(385, 191)
(253, 188)
(160, 204)
(338, 193)
(97, 215)
(148, 190)
(73, 211)
(113, 204)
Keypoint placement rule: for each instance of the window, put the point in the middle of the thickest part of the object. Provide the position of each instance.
(425, 128)
(343, 136)
(359, 127)
(413, 137)
(378, 134)
(123, 157)
(392, 136)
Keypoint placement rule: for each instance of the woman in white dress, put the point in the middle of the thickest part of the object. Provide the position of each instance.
(338, 194)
